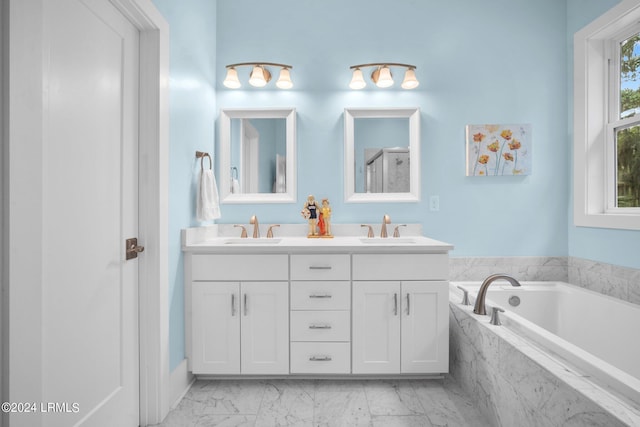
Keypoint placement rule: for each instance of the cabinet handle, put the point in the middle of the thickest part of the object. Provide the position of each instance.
(320, 358)
(245, 304)
(395, 304)
(408, 305)
(319, 326)
(320, 267)
(233, 304)
(320, 296)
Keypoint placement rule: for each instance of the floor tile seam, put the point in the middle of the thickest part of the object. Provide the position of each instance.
(424, 408)
(457, 399)
(264, 392)
(415, 396)
(366, 399)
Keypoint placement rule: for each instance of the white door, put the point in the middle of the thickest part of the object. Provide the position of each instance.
(376, 327)
(425, 327)
(216, 328)
(265, 328)
(90, 297)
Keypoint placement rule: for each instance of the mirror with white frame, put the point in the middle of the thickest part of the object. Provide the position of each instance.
(257, 155)
(382, 154)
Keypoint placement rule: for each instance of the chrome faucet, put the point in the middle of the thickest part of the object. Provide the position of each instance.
(479, 308)
(495, 316)
(385, 220)
(256, 227)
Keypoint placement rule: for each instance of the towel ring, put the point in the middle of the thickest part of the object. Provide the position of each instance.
(201, 155)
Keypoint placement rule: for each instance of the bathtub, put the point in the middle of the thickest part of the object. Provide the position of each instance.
(597, 334)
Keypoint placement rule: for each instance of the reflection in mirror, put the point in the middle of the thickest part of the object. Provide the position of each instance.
(257, 155)
(379, 147)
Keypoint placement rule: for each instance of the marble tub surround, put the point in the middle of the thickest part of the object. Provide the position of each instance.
(608, 279)
(522, 268)
(515, 382)
(326, 403)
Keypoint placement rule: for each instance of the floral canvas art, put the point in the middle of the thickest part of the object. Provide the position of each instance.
(496, 150)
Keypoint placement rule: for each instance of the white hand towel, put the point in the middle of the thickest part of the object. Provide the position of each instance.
(208, 203)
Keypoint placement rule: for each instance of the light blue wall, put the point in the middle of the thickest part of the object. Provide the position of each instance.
(619, 247)
(192, 111)
(494, 61)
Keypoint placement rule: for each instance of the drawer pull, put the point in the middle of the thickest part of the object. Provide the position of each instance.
(320, 296)
(408, 305)
(319, 326)
(320, 358)
(320, 267)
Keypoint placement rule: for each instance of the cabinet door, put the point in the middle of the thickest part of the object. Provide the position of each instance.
(265, 327)
(425, 327)
(216, 328)
(376, 327)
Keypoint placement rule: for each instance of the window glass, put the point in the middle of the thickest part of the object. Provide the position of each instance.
(628, 167)
(630, 77)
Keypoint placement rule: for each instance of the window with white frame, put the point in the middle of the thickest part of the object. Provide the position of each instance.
(607, 120)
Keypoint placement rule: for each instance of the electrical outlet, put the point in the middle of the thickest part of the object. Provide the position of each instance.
(434, 203)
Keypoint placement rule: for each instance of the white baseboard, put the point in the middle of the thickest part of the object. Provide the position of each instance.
(180, 382)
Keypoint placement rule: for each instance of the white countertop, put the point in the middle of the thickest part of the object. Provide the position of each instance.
(224, 238)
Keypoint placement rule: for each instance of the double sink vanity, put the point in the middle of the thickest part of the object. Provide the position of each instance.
(285, 304)
(288, 305)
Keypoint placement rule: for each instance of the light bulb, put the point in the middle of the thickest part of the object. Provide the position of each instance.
(384, 77)
(410, 81)
(259, 76)
(231, 80)
(357, 80)
(284, 80)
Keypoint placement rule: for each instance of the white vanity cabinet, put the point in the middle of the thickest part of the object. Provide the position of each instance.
(321, 314)
(304, 307)
(400, 326)
(239, 327)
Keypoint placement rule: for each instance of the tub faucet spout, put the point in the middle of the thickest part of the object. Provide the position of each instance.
(479, 308)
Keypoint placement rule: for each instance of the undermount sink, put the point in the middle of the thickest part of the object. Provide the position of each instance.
(388, 241)
(251, 241)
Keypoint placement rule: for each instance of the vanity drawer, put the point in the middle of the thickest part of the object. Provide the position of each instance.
(320, 326)
(320, 358)
(320, 267)
(321, 295)
(240, 267)
(400, 267)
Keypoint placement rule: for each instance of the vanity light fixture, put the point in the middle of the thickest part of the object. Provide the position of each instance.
(260, 75)
(382, 76)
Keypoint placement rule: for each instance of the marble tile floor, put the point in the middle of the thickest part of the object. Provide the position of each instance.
(325, 403)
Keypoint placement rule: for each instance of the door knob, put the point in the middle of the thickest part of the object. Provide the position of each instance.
(132, 248)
